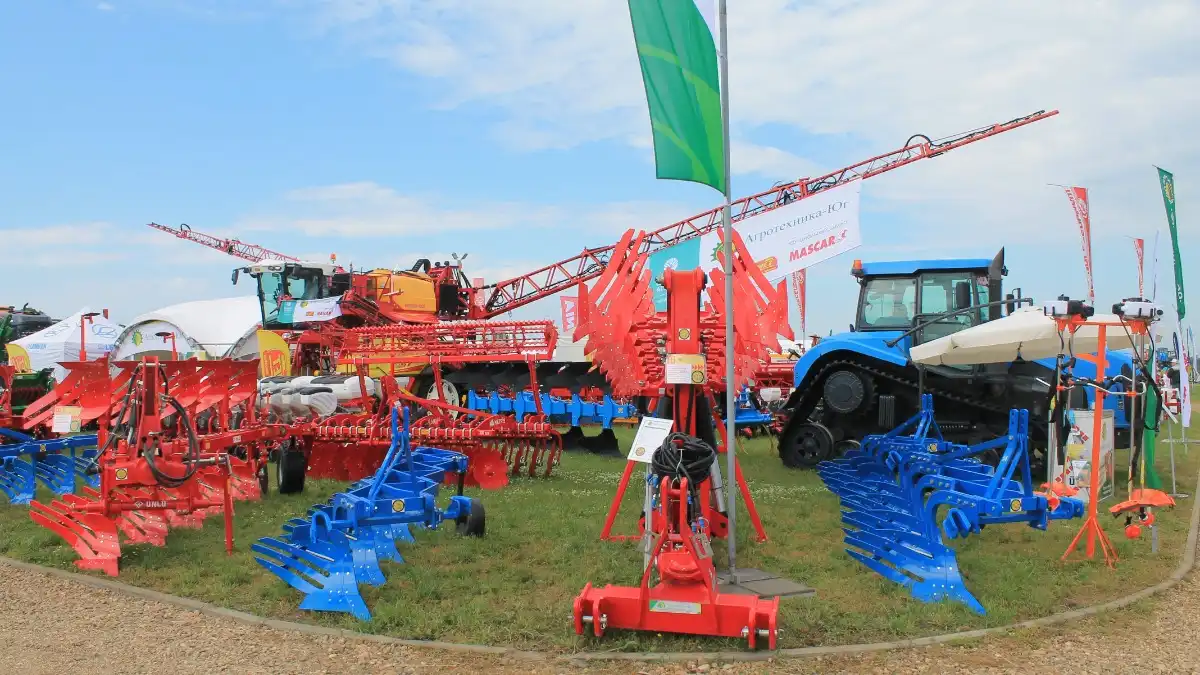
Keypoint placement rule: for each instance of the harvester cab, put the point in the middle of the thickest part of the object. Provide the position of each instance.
(279, 281)
(862, 382)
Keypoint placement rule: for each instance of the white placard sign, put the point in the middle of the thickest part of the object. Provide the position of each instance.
(799, 235)
(650, 434)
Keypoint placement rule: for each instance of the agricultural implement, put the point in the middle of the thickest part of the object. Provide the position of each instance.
(679, 591)
(894, 487)
(340, 544)
(178, 441)
(345, 416)
(57, 463)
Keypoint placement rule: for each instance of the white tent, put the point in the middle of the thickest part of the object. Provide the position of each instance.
(1027, 333)
(60, 342)
(216, 327)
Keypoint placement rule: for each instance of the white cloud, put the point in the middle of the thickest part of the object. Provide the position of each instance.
(1124, 73)
(105, 7)
(367, 209)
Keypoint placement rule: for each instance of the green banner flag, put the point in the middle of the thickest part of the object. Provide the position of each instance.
(683, 91)
(1167, 180)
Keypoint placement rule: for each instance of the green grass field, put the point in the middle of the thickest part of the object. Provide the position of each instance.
(515, 586)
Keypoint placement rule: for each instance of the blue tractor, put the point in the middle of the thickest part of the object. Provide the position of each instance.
(861, 382)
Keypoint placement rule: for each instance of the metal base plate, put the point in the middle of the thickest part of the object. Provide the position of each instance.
(760, 583)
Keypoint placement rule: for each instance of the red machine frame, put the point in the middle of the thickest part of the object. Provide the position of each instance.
(687, 598)
(160, 476)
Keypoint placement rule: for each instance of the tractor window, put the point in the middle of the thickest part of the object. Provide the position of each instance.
(889, 303)
(982, 298)
(937, 291)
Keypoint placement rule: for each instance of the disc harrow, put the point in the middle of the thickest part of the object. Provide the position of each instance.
(182, 444)
(340, 544)
(902, 491)
(351, 446)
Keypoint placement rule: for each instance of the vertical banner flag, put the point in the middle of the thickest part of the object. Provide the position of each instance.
(1185, 385)
(1167, 180)
(570, 318)
(1079, 202)
(799, 280)
(1139, 248)
(679, 70)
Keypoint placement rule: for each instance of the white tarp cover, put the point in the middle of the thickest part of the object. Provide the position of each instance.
(1027, 333)
(60, 342)
(214, 326)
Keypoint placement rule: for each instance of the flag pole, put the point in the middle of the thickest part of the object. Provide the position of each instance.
(727, 228)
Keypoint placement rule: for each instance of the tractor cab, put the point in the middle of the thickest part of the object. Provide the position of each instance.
(280, 281)
(935, 295)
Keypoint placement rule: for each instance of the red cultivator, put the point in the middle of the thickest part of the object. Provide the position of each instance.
(678, 357)
(178, 441)
(350, 446)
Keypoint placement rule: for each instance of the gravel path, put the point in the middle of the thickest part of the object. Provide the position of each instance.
(53, 626)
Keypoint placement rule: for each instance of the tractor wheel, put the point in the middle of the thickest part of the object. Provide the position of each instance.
(844, 392)
(803, 446)
(290, 470)
(473, 524)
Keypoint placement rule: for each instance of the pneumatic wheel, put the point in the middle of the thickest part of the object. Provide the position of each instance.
(845, 445)
(473, 524)
(290, 469)
(264, 478)
(803, 446)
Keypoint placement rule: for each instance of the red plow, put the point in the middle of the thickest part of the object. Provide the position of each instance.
(178, 441)
(678, 357)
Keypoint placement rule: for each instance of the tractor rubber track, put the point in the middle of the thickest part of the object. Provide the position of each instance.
(883, 374)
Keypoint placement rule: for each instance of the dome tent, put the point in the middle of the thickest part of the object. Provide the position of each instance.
(204, 328)
(60, 342)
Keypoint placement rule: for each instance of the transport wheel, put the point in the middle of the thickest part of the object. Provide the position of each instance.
(803, 446)
(290, 470)
(842, 447)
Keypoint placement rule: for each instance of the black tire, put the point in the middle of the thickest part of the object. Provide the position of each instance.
(264, 479)
(473, 524)
(803, 446)
(290, 470)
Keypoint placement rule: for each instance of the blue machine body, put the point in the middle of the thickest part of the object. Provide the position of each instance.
(340, 544)
(57, 463)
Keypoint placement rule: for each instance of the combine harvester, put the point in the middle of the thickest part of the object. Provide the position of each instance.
(684, 508)
(339, 545)
(178, 441)
(431, 292)
(894, 487)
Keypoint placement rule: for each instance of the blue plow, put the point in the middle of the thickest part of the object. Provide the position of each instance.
(55, 462)
(574, 411)
(340, 543)
(893, 487)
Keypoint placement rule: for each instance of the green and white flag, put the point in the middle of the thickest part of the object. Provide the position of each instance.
(679, 68)
(1167, 181)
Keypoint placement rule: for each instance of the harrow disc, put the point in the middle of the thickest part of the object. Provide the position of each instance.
(488, 469)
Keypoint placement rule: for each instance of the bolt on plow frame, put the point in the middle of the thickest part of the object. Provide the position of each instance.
(894, 488)
(677, 357)
(158, 468)
(339, 545)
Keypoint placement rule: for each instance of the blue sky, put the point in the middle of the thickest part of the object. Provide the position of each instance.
(392, 130)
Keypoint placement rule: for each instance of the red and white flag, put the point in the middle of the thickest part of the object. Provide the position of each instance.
(1079, 202)
(1139, 246)
(570, 318)
(799, 280)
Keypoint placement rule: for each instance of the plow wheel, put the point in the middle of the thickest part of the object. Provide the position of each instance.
(473, 524)
(843, 446)
(488, 469)
(803, 446)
